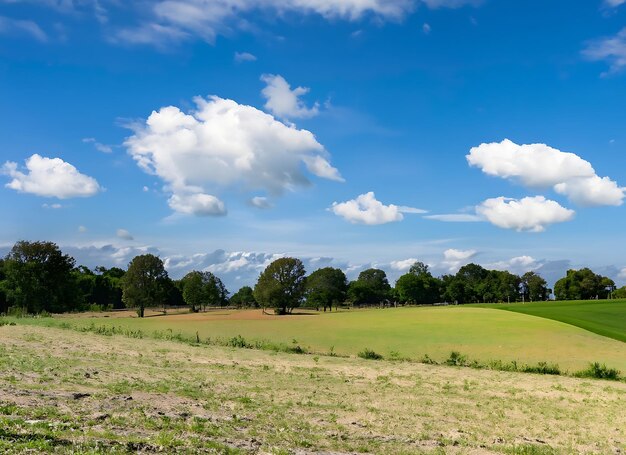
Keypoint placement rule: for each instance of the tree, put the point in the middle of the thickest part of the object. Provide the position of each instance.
(370, 288)
(582, 284)
(534, 287)
(4, 304)
(281, 285)
(193, 290)
(244, 297)
(38, 277)
(325, 287)
(418, 286)
(144, 282)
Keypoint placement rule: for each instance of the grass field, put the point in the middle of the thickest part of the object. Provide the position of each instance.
(65, 391)
(480, 333)
(604, 317)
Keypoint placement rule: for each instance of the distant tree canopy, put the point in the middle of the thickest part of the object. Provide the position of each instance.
(418, 286)
(203, 289)
(534, 287)
(244, 297)
(281, 285)
(326, 287)
(38, 277)
(370, 288)
(583, 284)
(144, 283)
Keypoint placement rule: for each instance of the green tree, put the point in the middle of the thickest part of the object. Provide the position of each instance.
(281, 285)
(534, 287)
(194, 292)
(38, 277)
(4, 304)
(325, 287)
(243, 298)
(370, 288)
(582, 284)
(144, 283)
(418, 286)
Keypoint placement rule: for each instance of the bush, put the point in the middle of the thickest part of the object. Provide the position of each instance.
(542, 368)
(456, 359)
(370, 355)
(599, 371)
(239, 342)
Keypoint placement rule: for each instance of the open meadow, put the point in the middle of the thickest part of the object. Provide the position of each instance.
(67, 391)
(482, 334)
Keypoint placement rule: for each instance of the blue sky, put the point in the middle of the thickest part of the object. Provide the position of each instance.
(222, 134)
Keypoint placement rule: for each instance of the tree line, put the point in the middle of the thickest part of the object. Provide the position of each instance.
(37, 277)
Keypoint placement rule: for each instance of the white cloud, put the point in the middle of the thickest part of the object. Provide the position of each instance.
(526, 214)
(622, 274)
(412, 210)
(98, 145)
(124, 234)
(244, 57)
(52, 206)
(284, 102)
(456, 218)
(176, 20)
(517, 265)
(614, 3)
(224, 144)
(592, 191)
(426, 28)
(402, 265)
(366, 209)
(454, 259)
(50, 177)
(541, 166)
(198, 204)
(610, 49)
(11, 26)
(82, 229)
(260, 202)
(145, 189)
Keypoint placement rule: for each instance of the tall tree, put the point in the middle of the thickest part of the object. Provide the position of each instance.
(144, 283)
(281, 285)
(325, 287)
(534, 287)
(582, 284)
(370, 288)
(39, 278)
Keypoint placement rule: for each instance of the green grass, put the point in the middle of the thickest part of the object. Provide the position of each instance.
(604, 317)
(482, 334)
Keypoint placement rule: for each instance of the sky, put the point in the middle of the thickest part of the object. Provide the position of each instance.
(223, 134)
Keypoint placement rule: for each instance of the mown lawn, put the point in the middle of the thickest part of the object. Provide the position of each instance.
(480, 333)
(604, 317)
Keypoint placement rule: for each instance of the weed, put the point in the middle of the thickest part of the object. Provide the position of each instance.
(370, 355)
(599, 371)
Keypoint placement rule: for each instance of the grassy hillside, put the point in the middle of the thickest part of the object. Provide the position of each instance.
(482, 334)
(62, 391)
(604, 317)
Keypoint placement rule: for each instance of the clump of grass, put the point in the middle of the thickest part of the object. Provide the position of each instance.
(542, 368)
(238, 342)
(369, 355)
(5, 322)
(456, 359)
(428, 360)
(599, 371)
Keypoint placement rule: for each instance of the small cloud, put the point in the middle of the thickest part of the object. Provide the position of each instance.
(241, 57)
(145, 189)
(413, 210)
(456, 218)
(531, 214)
(610, 49)
(82, 229)
(198, 204)
(284, 102)
(366, 209)
(124, 234)
(356, 33)
(402, 265)
(9, 26)
(99, 146)
(50, 177)
(52, 206)
(426, 28)
(260, 202)
(454, 259)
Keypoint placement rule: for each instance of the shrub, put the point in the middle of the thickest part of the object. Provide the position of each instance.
(599, 371)
(370, 355)
(456, 359)
(238, 342)
(542, 368)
